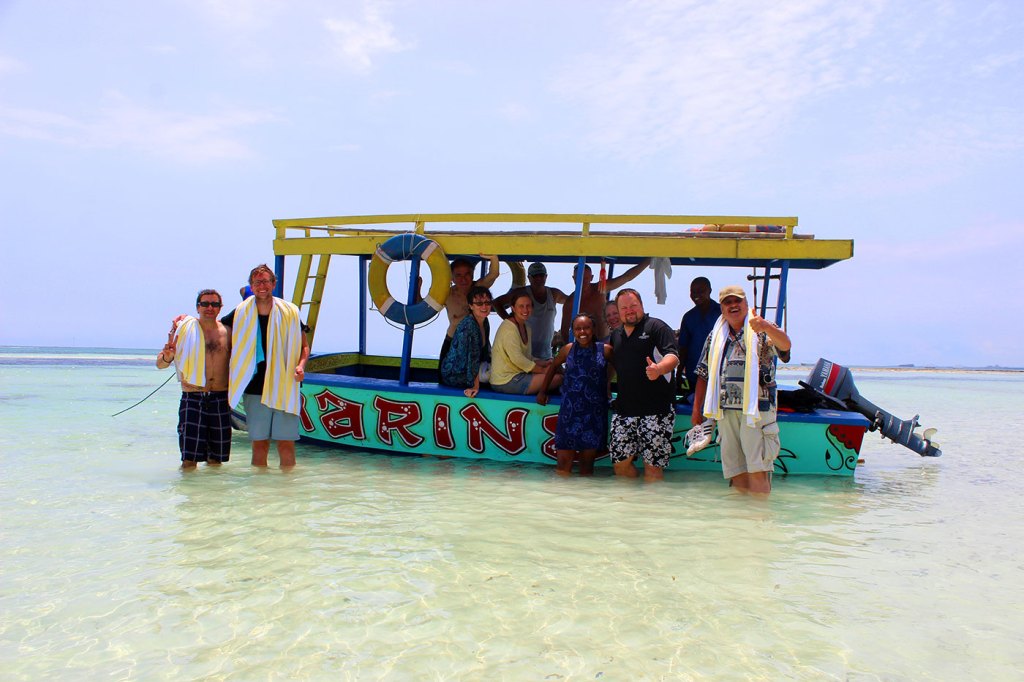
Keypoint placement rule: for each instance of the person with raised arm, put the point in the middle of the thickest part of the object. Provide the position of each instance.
(542, 319)
(736, 387)
(457, 306)
(199, 348)
(592, 297)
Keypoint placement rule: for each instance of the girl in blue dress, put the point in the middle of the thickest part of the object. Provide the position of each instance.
(582, 429)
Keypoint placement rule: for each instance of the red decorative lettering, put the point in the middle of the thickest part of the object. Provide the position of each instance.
(513, 442)
(443, 427)
(307, 423)
(346, 419)
(393, 415)
(549, 422)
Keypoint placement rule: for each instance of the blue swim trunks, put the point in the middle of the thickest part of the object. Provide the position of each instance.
(266, 423)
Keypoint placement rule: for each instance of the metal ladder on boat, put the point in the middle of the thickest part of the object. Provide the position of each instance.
(302, 279)
(762, 304)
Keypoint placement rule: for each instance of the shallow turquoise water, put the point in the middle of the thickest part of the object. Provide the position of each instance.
(117, 565)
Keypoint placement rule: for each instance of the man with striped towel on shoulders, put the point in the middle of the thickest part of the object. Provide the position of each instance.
(199, 347)
(736, 387)
(268, 362)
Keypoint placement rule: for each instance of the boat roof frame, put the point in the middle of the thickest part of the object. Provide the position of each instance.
(349, 235)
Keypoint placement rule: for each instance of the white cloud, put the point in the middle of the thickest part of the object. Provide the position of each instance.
(9, 65)
(902, 95)
(122, 124)
(947, 247)
(516, 112)
(358, 42)
(715, 78)
(938, 148)
(244, 15)
(379, 96)
(995, 63)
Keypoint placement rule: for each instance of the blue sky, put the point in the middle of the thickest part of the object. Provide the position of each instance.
(146, 146)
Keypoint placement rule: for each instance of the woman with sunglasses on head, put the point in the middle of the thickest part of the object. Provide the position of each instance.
(514, 369)
(470, 350)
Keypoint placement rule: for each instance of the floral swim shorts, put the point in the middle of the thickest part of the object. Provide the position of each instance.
(649, 437)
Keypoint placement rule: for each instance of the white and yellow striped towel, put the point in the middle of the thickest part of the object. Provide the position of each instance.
(712, 399)
(284, 347)
(190, 352)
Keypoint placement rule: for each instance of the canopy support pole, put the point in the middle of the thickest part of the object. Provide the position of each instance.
(363, 260)
(414, 290)
(581, 265)
(780, 305)
(279, 274)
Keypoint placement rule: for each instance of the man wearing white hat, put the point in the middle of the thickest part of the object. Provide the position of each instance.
(736, 387)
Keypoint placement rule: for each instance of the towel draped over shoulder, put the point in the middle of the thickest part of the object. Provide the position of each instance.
(751, 371)
(284, 348)
(190, 352)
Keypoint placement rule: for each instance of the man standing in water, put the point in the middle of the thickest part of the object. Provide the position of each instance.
(199, 348)
(694, 328)
(736, 386)
(644, 355)
(268, 363)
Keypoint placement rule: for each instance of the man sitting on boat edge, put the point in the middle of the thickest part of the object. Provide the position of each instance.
(199, 349)
(457, 305)
(593, 298)
(542, 319)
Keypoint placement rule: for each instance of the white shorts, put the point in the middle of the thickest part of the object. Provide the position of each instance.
(748, 449)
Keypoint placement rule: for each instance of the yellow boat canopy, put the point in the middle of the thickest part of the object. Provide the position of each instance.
(686, 240)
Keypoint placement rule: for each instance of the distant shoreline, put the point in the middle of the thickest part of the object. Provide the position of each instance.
(908, 369)
(41, 352)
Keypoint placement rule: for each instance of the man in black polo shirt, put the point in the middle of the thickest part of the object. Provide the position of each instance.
(645, 356)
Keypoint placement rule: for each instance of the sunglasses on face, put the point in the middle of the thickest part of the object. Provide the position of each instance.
(483, 303)
(209, 304)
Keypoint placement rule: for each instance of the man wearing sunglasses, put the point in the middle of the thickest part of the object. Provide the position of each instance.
(199, 347)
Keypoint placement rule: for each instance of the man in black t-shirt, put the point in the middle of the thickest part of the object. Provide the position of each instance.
(644, 356)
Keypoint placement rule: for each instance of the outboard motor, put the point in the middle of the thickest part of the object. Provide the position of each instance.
(834, 384)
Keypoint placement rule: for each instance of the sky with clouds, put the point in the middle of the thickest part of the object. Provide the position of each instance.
(145, 148)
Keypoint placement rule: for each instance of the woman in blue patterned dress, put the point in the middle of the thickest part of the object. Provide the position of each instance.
(582, 429)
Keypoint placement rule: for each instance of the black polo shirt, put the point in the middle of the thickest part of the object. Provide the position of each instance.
(639, 396)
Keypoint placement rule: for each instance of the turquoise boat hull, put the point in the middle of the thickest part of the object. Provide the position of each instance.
(423, 418)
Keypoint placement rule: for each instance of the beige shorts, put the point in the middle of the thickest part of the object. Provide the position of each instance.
(748, 449)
